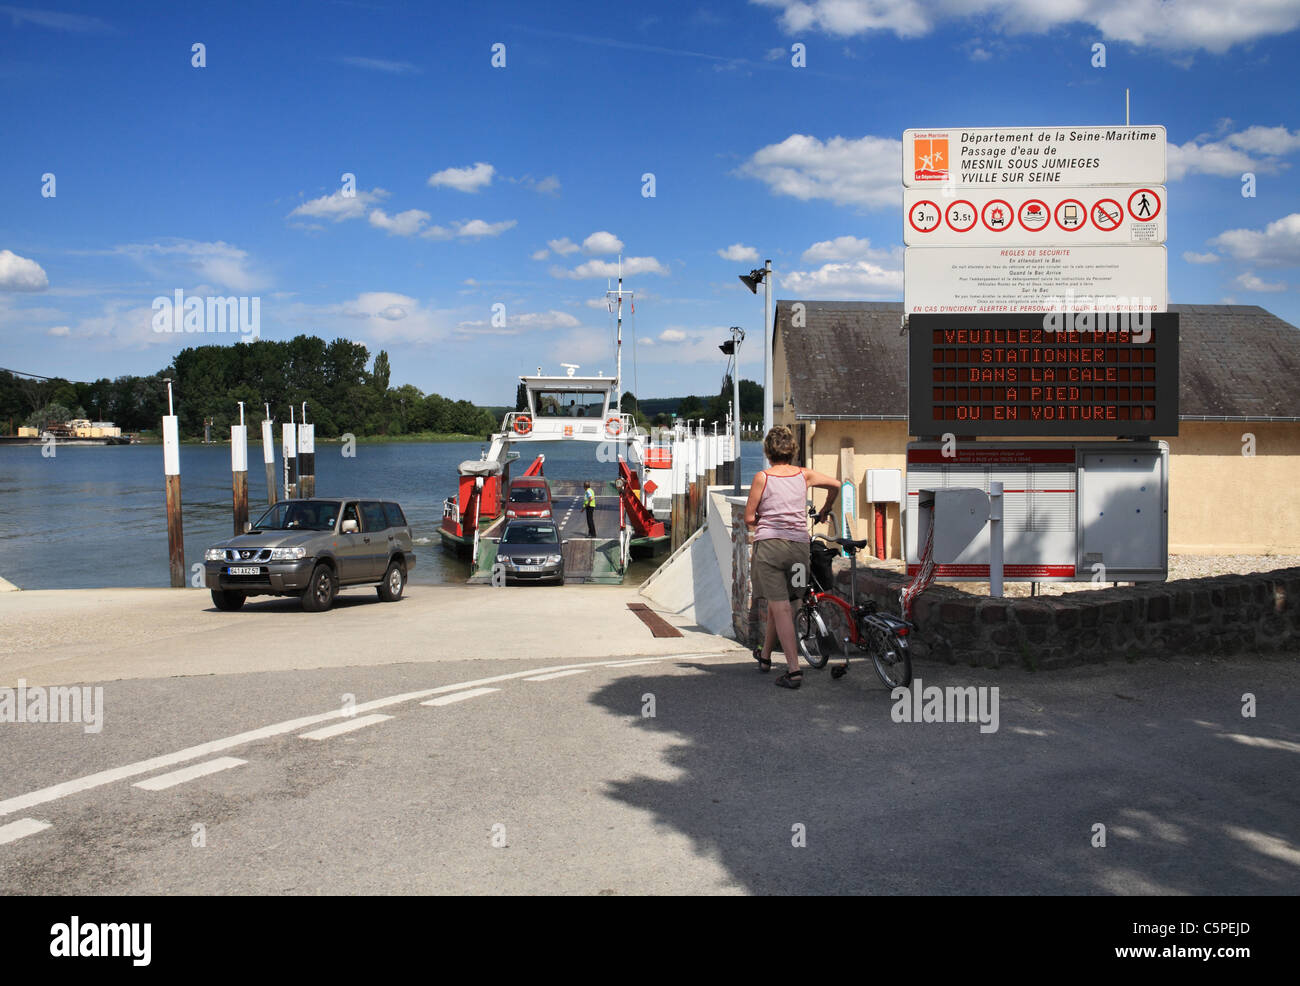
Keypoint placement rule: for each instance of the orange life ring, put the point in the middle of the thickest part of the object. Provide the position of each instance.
(613, 425)
(523, 424)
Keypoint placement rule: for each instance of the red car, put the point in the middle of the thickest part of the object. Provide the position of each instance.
(530, 497)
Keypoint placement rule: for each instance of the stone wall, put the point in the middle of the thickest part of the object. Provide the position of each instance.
(1225, 615)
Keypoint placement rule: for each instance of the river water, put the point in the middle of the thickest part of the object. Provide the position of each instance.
(95, 516)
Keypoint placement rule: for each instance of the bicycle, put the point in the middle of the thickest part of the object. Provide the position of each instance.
(826, 624)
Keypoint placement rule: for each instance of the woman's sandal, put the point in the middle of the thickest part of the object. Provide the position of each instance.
(764, 666)
(791, 679)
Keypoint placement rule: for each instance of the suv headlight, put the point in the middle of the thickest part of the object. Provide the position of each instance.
(554, 559)
(215, 554)
(544, 513)
(288, 554)
(507, 561)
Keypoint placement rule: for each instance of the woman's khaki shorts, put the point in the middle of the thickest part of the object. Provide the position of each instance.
(774, 567)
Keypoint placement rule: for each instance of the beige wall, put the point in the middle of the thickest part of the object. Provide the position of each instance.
(1220, 501)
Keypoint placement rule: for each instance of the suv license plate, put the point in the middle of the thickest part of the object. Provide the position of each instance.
(529, 568)
(233, 570)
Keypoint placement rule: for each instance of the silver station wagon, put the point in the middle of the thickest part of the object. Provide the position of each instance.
(311, 549)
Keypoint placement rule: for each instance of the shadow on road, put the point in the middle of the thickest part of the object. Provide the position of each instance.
(925, 808)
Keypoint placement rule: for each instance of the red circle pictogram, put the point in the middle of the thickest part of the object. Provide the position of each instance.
(1039, 216)
(1109, 218)
(1150, 200)
(997, 215)
(925, 226)
(1077, 217)
(961, 225)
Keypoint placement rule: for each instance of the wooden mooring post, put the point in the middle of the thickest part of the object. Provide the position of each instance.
(239, 471)
(289, 449)
(172, 472)
(268, 456)
(306, 456)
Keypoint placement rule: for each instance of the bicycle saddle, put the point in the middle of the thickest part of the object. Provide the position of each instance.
(849, 543)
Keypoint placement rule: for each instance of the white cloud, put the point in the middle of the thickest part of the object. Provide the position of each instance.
(1201, 258)
(672, 335)
(58, 330)
(563, 246)
(380, 65)
(1212, 158)
(845, 248)
(518, 324)
(406, 223)
(464, 179)
(865, 172)
(1277, 245)
(602, 303)
(1266, 140)
(1189, 24)
(608, 268)
(739, 253)
(1250, 282)
(20, 274)
(217, 262)
(602, 244)
(383, 316)
(336, 207)
(859, 279)
(540, 254)
(477, 228)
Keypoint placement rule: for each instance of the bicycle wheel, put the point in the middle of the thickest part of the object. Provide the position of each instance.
(821, 632)
(891, 656)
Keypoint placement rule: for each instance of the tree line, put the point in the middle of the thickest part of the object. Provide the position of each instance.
(208, 382)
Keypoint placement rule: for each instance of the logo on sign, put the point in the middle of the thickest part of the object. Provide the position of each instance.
(930, 158)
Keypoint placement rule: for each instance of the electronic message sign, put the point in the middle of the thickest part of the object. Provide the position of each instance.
(1057, 376)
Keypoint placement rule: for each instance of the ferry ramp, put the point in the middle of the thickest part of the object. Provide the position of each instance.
(586, 559)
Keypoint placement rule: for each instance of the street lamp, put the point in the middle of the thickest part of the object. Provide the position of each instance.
(732, 348)
(751, 280)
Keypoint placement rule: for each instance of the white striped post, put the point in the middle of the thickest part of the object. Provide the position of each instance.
(268, 456)
(172, 472)
(239, 471)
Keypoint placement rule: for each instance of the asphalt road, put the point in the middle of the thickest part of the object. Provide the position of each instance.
(564, 785)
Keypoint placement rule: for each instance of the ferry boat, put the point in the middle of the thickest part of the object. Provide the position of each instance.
(632, 503)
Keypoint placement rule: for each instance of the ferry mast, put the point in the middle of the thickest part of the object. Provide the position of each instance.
(617, 297)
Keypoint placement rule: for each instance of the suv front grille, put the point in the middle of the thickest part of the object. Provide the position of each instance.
(248, 555)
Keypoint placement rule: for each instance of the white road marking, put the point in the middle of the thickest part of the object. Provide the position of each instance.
(557, 674)
(632, 664)
(460, 696)
(343, 727)
(163, 781)
(89, 782)
(21, 829)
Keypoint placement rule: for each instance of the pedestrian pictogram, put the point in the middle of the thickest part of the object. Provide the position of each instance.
(1071, 214)
(961, 216)
(1107, 214)
(1144, 205)
(997, 215)
(1035, 215)
(924, 216)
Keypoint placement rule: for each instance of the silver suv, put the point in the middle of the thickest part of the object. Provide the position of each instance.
(311, 549)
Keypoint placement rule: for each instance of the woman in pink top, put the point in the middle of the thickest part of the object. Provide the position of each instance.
(777, 517)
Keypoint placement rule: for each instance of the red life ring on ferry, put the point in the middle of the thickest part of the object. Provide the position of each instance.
(613, 426)
(523, 424)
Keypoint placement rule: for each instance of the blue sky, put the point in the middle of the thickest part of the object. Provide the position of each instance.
(518, 186)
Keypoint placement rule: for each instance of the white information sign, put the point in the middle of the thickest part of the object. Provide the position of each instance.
(1038, 156)
(1031, 280)
(1023, 216)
